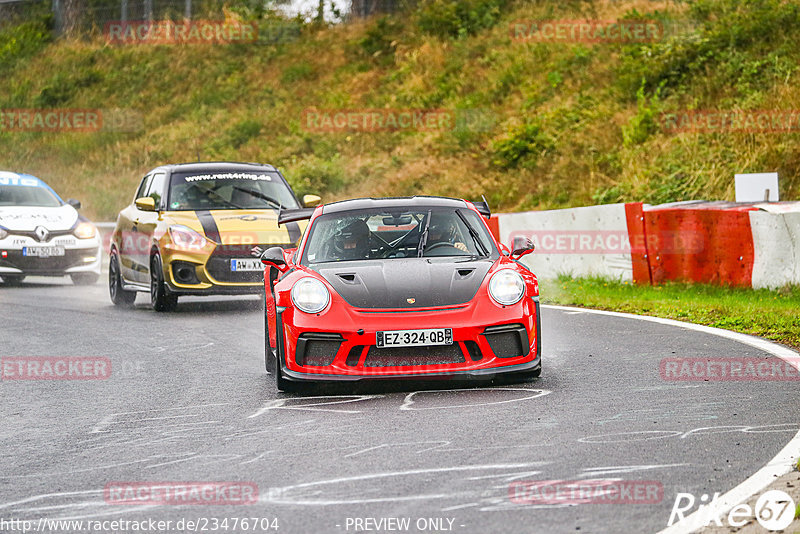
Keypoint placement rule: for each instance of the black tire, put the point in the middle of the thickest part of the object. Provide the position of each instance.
(119, 296)
(160, 298)
(12, 279)
(281, 383)
(84, 279)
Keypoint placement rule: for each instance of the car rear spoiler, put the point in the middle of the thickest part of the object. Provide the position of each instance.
(292, 215)
(483, 207)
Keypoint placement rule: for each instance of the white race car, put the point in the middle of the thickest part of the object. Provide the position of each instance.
(42, 235)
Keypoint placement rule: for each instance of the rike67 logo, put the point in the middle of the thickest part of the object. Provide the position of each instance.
(774, 510)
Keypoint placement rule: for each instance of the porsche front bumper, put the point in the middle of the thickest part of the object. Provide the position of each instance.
(487, 341)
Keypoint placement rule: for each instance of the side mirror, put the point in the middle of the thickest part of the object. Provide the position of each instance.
(521, 246)
(74, 203)
(146, 204)
(274, 257)
(311, 201)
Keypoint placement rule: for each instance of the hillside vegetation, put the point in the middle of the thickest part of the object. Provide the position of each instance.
(538, 124)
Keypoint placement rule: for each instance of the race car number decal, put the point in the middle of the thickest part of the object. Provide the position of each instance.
(414, 338)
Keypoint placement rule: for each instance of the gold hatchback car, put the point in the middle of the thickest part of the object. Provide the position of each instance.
(199, 229)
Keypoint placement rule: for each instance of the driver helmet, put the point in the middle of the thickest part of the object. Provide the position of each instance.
(352, 241)
(441, 228)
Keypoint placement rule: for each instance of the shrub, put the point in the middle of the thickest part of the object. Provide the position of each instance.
(727, 32)
(458, 18)
(644, 123)
(62, 88)
(315, 175)
(522, 146)
(241, 132)
(24, 40)
(379, 41)
(297, 72)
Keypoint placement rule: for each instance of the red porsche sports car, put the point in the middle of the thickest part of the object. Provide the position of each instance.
(399, 288)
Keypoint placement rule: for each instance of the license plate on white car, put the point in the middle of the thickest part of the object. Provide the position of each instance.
(247, 265)
(42, 252)
(414, 338)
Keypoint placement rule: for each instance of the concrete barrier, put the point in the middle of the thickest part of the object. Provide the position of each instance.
(590, 241)
(776, 241)
(738, 244)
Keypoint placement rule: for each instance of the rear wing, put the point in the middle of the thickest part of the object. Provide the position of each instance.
(292, 215)
(483, 207)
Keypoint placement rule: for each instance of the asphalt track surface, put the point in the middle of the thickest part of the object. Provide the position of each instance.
(188, 400)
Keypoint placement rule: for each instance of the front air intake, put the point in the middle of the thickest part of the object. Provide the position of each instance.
(508, 340)
(317, 348)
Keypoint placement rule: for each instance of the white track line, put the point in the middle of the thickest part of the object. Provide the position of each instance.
(781, 464)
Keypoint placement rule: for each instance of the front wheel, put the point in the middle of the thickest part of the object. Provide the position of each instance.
(160, 298)
(119, 296)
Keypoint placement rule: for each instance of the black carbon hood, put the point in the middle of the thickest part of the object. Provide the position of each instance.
(391, 283)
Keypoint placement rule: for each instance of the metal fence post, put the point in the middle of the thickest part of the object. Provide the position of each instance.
(58, 17)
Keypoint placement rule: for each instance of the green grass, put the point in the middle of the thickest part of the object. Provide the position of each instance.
(769, 314)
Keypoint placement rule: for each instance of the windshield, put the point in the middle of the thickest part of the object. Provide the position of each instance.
(16, 195)
(390, 234)
(228, 190)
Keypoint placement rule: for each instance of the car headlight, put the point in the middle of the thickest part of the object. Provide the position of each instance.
(310, 295)
(506, 287)
(185, 237)
(85, 230)
(3, 233)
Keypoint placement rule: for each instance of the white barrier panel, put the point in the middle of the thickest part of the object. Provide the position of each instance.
(588, 241)
(776, 247)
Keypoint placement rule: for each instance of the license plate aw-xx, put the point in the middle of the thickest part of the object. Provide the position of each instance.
(414, 338)
(248, 264)
(43, 252)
